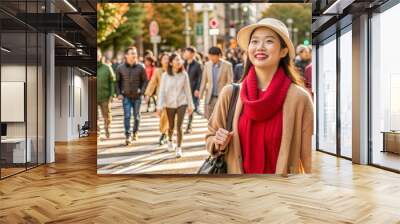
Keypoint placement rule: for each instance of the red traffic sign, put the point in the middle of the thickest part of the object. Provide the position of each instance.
(154, 29)
(213, 23)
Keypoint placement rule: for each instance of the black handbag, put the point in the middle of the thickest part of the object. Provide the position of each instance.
(217, 165)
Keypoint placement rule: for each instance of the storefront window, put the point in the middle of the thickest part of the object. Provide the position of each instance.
(314, 90)
(385, 88)
(346, 93)
(327, 96)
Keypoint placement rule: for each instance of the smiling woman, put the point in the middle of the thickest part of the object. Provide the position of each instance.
(266, 137)
(175, 97)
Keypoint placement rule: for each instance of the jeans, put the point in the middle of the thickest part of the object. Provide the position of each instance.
(128, 105)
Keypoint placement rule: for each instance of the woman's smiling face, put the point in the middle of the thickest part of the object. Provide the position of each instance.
(177, 63)
(164, 60)
(265, 48)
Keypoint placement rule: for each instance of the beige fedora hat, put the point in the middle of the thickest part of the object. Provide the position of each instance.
(243, 36)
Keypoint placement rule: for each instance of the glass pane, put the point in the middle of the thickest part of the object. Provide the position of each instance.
(13, 85)
(22, 87)
(41, 99)
(346, 94)
(31, 97)
(386, 89)
(314, 90)
(327, 96)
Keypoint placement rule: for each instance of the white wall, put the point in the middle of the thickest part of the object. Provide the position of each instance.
(14, 73)
(79, 112)
(71, 94)
(61, 103)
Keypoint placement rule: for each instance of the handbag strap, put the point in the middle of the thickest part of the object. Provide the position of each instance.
(231, 112)
(232, 106)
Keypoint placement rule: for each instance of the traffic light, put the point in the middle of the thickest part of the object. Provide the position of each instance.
(306, 42)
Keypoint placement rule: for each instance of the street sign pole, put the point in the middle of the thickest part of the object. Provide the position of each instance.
(187, 28)
(154, 37)
(205, 28)
(155, 40)
(214, 33)
(155, 50)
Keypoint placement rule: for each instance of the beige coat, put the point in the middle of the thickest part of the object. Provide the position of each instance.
(225, 76)
(154, 83)
(295, 150)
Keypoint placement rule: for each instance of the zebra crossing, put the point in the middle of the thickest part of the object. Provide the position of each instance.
(145, 155)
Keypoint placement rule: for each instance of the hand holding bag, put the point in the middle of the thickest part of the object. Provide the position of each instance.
(217, 165)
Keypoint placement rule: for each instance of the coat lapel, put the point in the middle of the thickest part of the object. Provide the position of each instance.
(210, 78)
(287, 134)
(237, 150)
(221, 67)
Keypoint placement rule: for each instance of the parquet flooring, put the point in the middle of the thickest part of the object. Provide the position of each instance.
(10, 171)
(70, 191)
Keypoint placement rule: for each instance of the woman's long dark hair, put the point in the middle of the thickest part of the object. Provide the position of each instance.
(171, 58)
(286, 63)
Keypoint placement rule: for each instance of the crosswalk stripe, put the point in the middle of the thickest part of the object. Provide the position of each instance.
(145, 155)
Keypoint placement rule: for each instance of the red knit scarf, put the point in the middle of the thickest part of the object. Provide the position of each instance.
(260, 123)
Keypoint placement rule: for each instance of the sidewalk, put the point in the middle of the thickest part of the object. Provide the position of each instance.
(145, 155)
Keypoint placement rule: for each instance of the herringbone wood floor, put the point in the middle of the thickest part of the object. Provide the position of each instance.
(69, 191)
